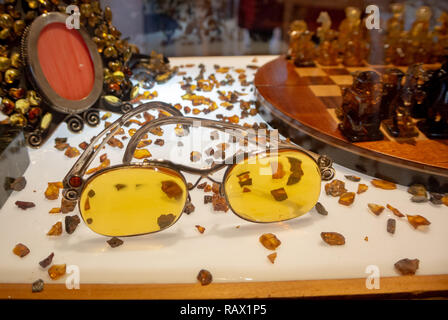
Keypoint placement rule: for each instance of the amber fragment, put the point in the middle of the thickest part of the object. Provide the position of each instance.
(201, 229)
(56, 271)
(21, 250)
(321, 209)
(55, 210)
(189, 208)
(333, 238)
(383, 184)
(172, 189)
(195, 156)
(375, 208)
(215, 187)
(272, 257)
(347, 198)
(18, 184)
(37, 286)
(71, 152)
(52, 191)
(395, 211)
(353, 178)
(270, 241)
(47, 261)
(277, 170)
(67, 205)
(83, 145)
(417, 220)
(142, 154)
(71, 222)
(245, 189)
(335, 188)
(24, 204)
(362, 188)
(204, 277)
(165, 220)
(219, 203)
(208, 199)
(114, 142)
(445, 200)
(407, 266)
(279, 194)
(56, 229)
(391, 224)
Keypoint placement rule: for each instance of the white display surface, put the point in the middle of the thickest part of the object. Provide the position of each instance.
(231, 254)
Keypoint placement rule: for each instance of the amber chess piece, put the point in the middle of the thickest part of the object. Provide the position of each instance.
(348, 26)
(391, 79)
(435, 126)
(301, 48)
(412, 94)
(361, 108)
(394, 30)
(420, 36)
(441, 34)
(355, 50)
(327, 53)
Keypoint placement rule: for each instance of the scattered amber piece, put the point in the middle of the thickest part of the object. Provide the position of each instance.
(55, 210)
(56, 229)
(417, 221)
(189, 208)
(37, 286)
(71, 222)
(47, 261)
(21, 250)
(71, 152)
(56, 271)
(353, 178)
(383, 184)
(279, 194)
(83, 145)
(165, 220)
(244, 179)
(104, 164)
(395, 211)
(272, 257)
(115, 242)
(362, 188)
(142, 154)
(114, 142)
(159, 142)
(222, 70)
(391, 224)
(445, 200)
(52, 191)
(321, 209)
(105, 116)
(277, 170)
(215, 187)
(172, 189)
(407, 266)
(67, 205)
(347, 198)
(204, 277)
(208, 188)
(335, 188)
(200, 228)
(270, 241)
(366, 238)
(24, 204)
(375, 208)
(195, 156)
(219, 203)
(333, 238)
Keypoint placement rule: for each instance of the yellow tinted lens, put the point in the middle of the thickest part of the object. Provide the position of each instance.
(133, 200)
(273, 187)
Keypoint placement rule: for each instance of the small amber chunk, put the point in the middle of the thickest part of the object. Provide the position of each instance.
(172, 189)
(270, 241)
(347, 198)
(52, 191)
(144, 143)
(201, 229)
(219, 203)
(391, 224)
(55, 210)
(56, 229)
(142, 154)
(215, 187)
(277, 170)
(395, 211)
(25, 204)
(244, 179)
(71, 223)
(335, 188)
(115, 242)
(353, 178)
(383, 184)
(21, 250)
(47, 261)
(272, 257)
(407, 266)
(114, 142)
(417, 221)
(204, 277)
(56, 271)
(195, 156)
(279, 194)
(375, 208)
(321, 209)
(445, 200)
(333, 238)
(71, 152)
(362, 188)
(165, 220)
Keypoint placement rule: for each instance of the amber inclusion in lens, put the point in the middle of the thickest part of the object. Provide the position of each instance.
(273, 196)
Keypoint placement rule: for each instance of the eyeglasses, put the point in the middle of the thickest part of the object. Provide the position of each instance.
(272, 185)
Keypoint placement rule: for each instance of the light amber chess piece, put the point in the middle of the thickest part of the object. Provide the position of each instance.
(348, 26)
(327, 53)
(441, 35)
(421, 48)
(394, 30)
(301, 48)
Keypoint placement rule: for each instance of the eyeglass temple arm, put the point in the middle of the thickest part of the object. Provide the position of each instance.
(84, 161)
(324, 163)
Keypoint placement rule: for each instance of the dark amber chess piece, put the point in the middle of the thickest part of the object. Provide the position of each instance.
(327, 53)
(361, 108)
(435, 126)
(301, 48)
(391, 79)
(412, 94)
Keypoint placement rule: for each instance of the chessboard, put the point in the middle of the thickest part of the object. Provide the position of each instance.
(301, 102)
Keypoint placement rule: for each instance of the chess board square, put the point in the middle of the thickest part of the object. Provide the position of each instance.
(318, 80)
(354, 69)
(310, 72)
(325, 90)
(345, 80)
(331, 102)
(336, 71)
